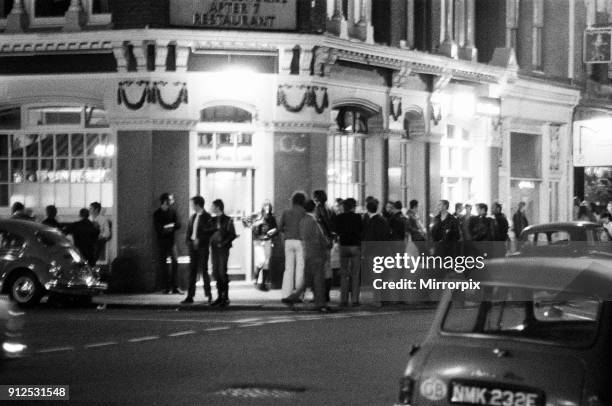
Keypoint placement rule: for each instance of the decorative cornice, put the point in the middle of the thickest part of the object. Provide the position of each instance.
(299, 126)
(36, 45)
(149, 123)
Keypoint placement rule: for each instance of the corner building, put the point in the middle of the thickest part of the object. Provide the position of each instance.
(247, 101)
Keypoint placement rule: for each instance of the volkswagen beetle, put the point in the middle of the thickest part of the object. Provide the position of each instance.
(36, 260)
(538, 332)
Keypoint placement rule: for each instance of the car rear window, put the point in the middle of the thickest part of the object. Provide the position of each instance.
(545, 315)
(50, 238)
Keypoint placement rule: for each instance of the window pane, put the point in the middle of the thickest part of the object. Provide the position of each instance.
(93, 192)
(4, 170)
(77, 144)
(4, 145)
(61, 144)
(46, 145)
(31, 169)
(107, 195)
(17, 171)
(47, 194)
(54, 8)
(77, 176)
(38, 116)
(95, 118)
(92, 141)
(450, 131)
(4, 195)
(17, 145)
(31, 145)
(77, 195)
(226, 139)
(62, 195)
(205, 140)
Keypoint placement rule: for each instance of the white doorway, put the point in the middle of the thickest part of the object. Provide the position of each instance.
(235, 187)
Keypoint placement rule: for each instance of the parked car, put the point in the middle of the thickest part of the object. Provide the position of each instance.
(574, 238)
(36, 260)
(537, 332)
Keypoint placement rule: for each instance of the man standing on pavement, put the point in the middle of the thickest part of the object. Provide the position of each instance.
(349, 228)
(166, 223)
(414, 227)
(316, 246)
(289, 226)
(103, 225)
(220, 243)
(375, 227)
(85, 236)
(198, 237)
(500, 228)
(445, 231)
(326, 218)
(397, 221)
(519, 220)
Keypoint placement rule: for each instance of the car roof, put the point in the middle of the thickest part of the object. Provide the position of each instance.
(589, 275)
(561, 226)
(23, 225)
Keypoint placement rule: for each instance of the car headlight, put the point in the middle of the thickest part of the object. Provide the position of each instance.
(405, 392)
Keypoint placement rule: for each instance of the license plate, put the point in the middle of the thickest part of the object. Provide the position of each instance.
(490, 394)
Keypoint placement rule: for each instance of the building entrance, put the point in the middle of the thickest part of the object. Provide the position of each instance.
(235, 188)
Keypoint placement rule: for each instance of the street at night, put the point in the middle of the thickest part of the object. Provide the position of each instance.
(138, 357)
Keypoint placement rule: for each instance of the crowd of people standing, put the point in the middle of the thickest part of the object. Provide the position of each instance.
(90, 233)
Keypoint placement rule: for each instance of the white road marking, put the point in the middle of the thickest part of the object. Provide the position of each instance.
(252, 324)
(104, 344)
(139, 339)
(167, 320)
(250, 320)
(55, 349)
(181, 333)
(217, 328)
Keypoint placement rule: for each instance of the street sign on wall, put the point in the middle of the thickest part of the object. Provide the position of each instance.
(598, 46)
(236, 14)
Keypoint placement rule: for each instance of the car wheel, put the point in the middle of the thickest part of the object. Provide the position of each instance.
(26, 290)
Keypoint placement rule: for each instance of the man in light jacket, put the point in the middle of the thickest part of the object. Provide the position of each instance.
(316, 245)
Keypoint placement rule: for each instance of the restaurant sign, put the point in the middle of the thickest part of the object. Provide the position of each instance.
(236, 14)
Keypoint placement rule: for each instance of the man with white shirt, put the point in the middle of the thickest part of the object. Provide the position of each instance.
(198, 237)
(104, 227)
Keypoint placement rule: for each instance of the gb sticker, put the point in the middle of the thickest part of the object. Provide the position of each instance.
(433, 389)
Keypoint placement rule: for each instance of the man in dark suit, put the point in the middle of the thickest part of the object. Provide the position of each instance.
(85, 236)
(375, 228)
(220, 243)
(198, 237)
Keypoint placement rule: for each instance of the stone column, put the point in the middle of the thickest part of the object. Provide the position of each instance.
(140, 53)
(468, 50)
(363, 29)
(183, 48)
(410, 24)
(75, 17)
(337, 24)
(161, 54)
(17, 20)
(120, 53)
(448, 46)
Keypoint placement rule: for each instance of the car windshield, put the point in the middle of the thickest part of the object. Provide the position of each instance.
(545, 315)
(50, 238)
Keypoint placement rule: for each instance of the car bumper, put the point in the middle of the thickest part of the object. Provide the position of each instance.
(77, 289)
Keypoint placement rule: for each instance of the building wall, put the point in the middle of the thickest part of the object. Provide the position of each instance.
(490, 20)
(555, 43)
(134, 266)
(170, 170)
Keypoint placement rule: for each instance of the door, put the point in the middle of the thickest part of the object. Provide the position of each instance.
(235, 188)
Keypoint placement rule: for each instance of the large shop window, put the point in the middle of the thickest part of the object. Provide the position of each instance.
(456, 158)
(346, 154)
(225, 146)
(57, 159)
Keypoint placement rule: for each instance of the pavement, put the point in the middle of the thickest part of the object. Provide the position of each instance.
(243, 296)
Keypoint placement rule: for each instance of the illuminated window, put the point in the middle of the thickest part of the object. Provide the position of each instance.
(346, 154)
(225, 146)
(456, 168)
(56, 160)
